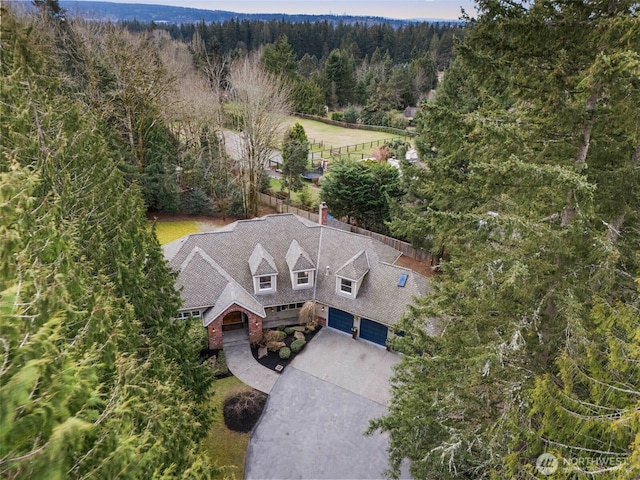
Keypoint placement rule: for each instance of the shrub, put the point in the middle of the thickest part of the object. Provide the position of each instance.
(398, 121)
(195, 201)
(242, 410)
(236, 207)
(265, 182)
(274, 335)
(288, 331)
(284, 353)
(304, 198)
(336, 116)
(274, 346)
(297, 345)
(220, 368)
(350, 114)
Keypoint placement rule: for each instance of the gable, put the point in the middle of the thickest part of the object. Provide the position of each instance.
(200, 281)
(234, 294)
(297, 259)
(261, 262)
(355, 268)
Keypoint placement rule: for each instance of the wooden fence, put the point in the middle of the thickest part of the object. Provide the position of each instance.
(328, 150)
(404, 247)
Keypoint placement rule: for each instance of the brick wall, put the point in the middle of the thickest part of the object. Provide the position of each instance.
(214, 329)
(255, 327)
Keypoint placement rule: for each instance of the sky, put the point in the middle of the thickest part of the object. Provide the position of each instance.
(403, 9)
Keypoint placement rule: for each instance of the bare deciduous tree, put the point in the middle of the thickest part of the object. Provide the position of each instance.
(259, 102)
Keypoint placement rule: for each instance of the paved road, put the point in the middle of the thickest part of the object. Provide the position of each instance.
(318, 410)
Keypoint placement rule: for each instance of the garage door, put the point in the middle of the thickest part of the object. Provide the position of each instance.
(373, 331)
(340, 320)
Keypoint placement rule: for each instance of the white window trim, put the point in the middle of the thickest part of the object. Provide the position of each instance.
(295, 280)
(267, 280)
(256, 284)
(186, 314)
(303, 276)
(343, 293)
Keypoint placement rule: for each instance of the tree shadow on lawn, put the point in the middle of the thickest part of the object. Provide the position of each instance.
(272, 360)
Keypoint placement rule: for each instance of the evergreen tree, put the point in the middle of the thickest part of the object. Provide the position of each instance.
(425, 75)
(530, 190)
(339, 78)
(308, 66)
(362, 191)
(295, 157)
(279, 59)
(586, 413)
(97, 378)
(308, 97)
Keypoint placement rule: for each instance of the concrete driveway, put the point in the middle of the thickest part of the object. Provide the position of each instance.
(313, 424)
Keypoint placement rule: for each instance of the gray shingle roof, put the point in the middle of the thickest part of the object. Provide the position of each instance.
(356, 267)
(234, 293)
(261, 263)
(221, 257)
(297, 259)
(204, 282)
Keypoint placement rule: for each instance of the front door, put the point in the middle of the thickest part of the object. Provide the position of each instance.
(233, 321)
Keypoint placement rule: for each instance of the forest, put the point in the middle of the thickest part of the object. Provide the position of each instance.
(377, 67)
(527, 191)
(317, 39)
(163, 89)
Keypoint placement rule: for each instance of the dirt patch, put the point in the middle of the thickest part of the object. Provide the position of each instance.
(424, 268)
(181, 217)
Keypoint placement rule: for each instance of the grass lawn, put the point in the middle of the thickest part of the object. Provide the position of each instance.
(227, 448)
(170, 231)
(314, 192)
(334, 136)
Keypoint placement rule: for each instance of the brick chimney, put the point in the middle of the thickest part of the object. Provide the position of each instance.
(324, 213)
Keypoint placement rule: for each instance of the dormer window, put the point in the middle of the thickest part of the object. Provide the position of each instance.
(265, 283)
(303, 279)
(301, 268)
(346, 286)
(264, 271)
(349, 277)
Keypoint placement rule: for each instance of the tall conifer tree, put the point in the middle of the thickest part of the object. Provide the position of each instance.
(530, 192)
(96, 378)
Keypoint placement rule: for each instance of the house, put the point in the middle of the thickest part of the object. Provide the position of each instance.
(257, 274)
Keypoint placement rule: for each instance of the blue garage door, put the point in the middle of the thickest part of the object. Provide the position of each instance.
(373, 331)
(340, 320)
